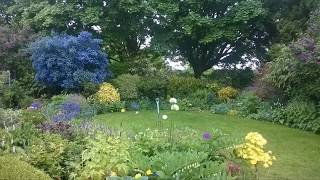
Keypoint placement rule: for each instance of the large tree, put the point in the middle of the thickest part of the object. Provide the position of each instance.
(124, 25)
(207, 32)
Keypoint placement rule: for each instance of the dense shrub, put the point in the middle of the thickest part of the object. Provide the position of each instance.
(293, 76)
(238, 78)
(15, 96)
(66, 62)
(12, 168)
(181, 87)
(299, 114)
(46, 152)
(107, 94)
(227, 93)
(127, 85)
(248, 103)
(153, 86)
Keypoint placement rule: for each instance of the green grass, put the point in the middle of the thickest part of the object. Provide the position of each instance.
(297, 152)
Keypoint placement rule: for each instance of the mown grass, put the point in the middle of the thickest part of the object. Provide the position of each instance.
(297, 152)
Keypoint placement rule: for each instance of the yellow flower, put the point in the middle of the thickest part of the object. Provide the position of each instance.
(253, 150)
(123, 110)
(148, 172)
(137, 176)
(113, 173)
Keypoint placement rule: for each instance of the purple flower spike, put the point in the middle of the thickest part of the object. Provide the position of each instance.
(206, 136)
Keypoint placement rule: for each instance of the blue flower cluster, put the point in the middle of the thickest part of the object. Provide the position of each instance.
(66, 62)
(67, 112)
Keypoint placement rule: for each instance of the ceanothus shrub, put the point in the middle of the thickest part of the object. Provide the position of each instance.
(65, 62)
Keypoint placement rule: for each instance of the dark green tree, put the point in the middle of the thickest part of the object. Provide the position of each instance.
(207, 33)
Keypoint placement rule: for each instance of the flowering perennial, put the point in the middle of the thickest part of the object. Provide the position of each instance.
(253, 150)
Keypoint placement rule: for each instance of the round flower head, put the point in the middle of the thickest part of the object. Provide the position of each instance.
(175, 107)
(173, 101)
(123, 110)
(164, 117)
(148, 172)
(137, 176)
(206, 136)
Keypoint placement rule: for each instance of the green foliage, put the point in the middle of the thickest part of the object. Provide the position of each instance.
(9, 117)
(33, 116)
(46, 152)
(238, 78)
(154, 86)
(89, 89)
(299, 114)
(182, 87)
(182, 24)
(294, 77)
(248, 103)
(15, 96)
(104, 154)
(174, 164)
(127, 85)
(222, 108)
(13, 168)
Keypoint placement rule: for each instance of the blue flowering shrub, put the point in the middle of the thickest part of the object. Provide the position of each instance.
(64, 62)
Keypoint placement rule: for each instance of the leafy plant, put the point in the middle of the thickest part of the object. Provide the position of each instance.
(127, 85)
(104, 154)
(46, 153)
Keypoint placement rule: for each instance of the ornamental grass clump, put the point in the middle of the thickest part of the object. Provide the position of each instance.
(253, 151)
(107, 94)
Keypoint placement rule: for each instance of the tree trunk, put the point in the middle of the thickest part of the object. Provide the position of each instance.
(197, 72)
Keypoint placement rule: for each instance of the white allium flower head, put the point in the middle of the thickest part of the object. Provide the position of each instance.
(175, 107)
(164, 117)
(173, 101)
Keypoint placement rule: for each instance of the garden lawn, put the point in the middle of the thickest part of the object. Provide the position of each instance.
(297, 152)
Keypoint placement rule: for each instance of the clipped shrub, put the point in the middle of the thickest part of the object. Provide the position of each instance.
(107, 94)
(13, 168)
(227, 93)
(181, 87)
(127, 85)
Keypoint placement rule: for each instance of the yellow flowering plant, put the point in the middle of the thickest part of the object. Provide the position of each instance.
(253, 151)
(227, 93)
(108, 94)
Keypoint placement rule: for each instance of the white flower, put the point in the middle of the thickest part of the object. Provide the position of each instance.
(164, 117)
(175, 107)
(137, 112)
(173, 101)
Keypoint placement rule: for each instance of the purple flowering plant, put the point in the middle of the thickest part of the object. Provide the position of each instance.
(206, 136)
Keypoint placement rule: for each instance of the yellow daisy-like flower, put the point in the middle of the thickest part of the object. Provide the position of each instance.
(137, 176)
(148, 172)
(123, 110)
